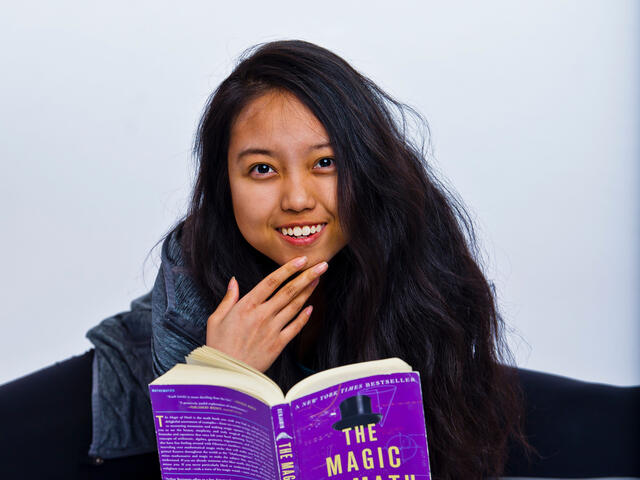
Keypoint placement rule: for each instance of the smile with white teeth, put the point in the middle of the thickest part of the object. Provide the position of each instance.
(301, 232)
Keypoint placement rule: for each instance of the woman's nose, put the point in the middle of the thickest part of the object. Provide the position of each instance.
(297, 194)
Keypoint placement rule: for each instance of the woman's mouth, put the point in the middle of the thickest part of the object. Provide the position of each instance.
(301, 235)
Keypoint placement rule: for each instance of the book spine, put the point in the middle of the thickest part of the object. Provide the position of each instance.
(286, 451)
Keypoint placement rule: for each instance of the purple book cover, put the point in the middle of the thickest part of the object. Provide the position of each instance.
(372, 428)
(286, 451)
(212, 433)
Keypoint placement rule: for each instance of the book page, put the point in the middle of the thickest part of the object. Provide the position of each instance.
(333, 376)
(370, 428)
(212, 433)
(212, 357)
(183, 374)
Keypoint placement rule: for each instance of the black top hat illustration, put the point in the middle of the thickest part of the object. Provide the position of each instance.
(356, 410)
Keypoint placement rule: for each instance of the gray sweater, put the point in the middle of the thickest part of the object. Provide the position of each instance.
(134, 347)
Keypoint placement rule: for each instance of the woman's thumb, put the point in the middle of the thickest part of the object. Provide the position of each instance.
(232, 293)
(233, 285)
(228, 301)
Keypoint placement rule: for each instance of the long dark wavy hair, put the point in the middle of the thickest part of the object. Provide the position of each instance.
(407, 284)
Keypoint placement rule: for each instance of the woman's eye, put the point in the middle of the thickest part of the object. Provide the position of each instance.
(326, 162)
(261, 168)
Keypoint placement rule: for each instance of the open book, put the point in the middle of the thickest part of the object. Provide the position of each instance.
(217, 418)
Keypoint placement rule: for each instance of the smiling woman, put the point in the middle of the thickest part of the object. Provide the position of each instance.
(284, 191)
(296, 138)
(302, 163)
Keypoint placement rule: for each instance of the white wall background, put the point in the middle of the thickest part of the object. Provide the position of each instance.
(534, 113)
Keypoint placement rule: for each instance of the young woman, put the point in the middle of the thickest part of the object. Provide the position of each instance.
(294, 141)
(316, 236)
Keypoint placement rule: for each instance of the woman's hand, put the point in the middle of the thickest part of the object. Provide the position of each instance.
(253, 329)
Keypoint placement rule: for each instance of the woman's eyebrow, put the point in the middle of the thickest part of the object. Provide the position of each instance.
(254, 151)
(320, 145)
(269, 153)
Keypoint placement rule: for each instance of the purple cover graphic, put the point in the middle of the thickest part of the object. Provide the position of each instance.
(372, 428)
(212, 433)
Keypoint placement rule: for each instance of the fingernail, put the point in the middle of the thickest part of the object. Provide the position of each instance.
(298, 262)
(230, 283)
(321, 268)
(315, 282)
(308, 310)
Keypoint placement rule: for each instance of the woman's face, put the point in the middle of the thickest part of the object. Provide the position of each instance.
(283, 176)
